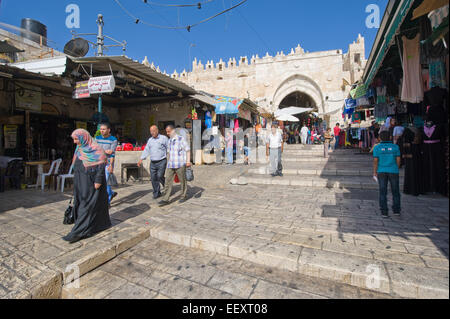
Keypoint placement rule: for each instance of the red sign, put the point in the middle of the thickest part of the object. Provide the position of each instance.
(81, 90)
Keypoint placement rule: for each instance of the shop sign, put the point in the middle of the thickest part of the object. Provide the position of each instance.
(10, 135)
(28, 97)
(102, 84)
(81, 90)
(82, 125)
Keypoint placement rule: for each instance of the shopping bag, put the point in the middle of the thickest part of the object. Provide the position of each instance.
(176, 180)
(189, 174)
(112, 180)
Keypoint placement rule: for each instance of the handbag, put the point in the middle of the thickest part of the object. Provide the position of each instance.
(69, 217)
(112, 180)
(189, 174)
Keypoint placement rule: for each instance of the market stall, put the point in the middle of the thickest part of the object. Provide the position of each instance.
(407, 79)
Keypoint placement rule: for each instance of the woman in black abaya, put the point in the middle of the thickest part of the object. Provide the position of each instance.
(90, 197)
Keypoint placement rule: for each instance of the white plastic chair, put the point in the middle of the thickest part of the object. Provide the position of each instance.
(54, 168)
(61, 180)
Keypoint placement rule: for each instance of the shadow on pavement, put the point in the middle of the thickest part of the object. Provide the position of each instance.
(424, 220)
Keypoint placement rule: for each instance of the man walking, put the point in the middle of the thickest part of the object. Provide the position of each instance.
(109, 145)
(337, 132)
(156, 148)
(387, 160)
(274, 149)
(326, 145)
(304, 134)
(179, 158)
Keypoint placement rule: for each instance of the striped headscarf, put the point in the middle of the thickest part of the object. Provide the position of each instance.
(90, 153)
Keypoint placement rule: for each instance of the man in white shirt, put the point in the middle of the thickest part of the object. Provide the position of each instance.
(274, 149)
(304, 134)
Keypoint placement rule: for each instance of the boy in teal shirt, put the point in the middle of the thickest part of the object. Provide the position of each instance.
(387, 160)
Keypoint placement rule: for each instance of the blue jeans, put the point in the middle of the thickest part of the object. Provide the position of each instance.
(157, 172)
(229, 153)
(394, 180)
(336, 146)
(108, 188)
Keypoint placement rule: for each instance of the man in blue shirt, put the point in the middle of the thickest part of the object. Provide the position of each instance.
(109, 145)
(157, 150)
(387, 160)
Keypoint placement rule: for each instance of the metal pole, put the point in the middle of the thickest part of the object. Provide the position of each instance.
(100, 37)
(100, 43)
(99, 111)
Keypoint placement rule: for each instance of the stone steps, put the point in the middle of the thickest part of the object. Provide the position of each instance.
(300, 255)
(337, 182)
(331, 159)
(48, 262)
(155, 269)
(315, 171)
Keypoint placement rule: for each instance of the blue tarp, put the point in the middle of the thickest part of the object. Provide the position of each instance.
(227, 105)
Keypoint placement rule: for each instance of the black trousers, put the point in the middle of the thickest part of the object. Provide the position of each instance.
(157, 172)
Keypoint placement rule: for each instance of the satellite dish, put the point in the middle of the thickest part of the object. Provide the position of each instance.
(77, 47)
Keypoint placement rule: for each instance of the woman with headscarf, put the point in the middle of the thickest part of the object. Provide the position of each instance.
(90, 196)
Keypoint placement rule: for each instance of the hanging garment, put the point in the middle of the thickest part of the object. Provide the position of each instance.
(433, 160)
(362, 101)
(401, 108)
(381, 94)
(356, 117)
(208, 120)
(391, 108)
(437, 74)
(236, 125)
(426, 79)
(412, 156)
(412, 90)
(381, 111)
(437, 101)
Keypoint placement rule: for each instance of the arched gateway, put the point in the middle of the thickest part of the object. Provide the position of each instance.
(306, 87)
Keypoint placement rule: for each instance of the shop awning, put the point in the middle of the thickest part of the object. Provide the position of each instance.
(428, 6)
(50, 66)
(227, 105)
(204, 98)
(391, 23)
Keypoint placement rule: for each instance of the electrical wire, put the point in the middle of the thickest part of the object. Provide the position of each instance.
(198, 4)
(187, 27)
(254, 30)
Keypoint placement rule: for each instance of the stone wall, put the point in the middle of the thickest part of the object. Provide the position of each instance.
(268, 80)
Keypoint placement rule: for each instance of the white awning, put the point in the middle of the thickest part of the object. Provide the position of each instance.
(50, 66)
(292, 111)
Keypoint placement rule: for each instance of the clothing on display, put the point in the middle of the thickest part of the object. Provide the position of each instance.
(437, 74)
(412, 156)
(381, 94)
(412, 90)
(433, 160)
(362, 101)
(391, 108)
(436, 100)
(208, 120)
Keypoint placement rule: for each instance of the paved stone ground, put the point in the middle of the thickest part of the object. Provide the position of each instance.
(159, 270)
(326, 237)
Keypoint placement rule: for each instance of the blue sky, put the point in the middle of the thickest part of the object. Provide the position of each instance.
(256, 27)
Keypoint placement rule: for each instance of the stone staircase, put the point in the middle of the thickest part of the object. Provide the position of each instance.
(305, 165)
